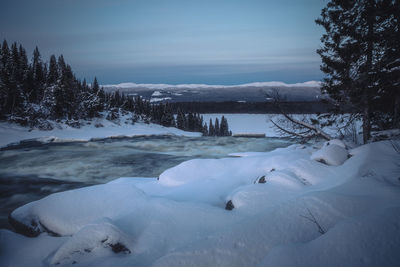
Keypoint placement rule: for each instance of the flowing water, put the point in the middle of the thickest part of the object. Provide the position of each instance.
(33, 170)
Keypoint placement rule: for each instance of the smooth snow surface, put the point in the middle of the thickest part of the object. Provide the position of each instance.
(305, 214)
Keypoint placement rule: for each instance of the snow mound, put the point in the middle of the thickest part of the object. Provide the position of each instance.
(93, 239)
(335, 142)
(331, 154)
(67, 212)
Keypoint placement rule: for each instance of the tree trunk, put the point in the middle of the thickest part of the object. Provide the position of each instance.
(366, 123)
(396, 110)
(369, 68)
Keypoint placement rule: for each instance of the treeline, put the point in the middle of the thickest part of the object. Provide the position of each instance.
(291, 107)
(164, 114)
(194, 122)
(34, 92)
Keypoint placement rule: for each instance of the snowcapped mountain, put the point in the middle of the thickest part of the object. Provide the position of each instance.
(250, 92)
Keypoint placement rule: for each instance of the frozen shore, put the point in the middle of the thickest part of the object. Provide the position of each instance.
(322, 205)
(11, 133)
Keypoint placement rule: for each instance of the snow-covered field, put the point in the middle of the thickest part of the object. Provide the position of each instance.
(13, 133)
(288, 207)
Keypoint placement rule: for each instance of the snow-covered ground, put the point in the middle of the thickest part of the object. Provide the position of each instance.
(13, 133)
(321, 205)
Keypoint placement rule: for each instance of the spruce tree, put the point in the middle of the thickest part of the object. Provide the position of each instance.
(353, 54)
(224, 128)
(95, 86)
(5, 78)
(216, 127)
(53, 75)
(390, 67)
(3, 91)
(205, 130)
(211, 129)
(38, 76)
(180, 120)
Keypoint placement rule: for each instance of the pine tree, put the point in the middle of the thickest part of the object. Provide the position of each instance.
(180, 120)
(15, 96)
(224, 128)
(38, 76)
(353, 54)
(211, 129)
(3, 90)
(24, 71)
(217, 128)
(5, 79)
(390, 67)
(204, 130)
(53, 75)
(95, 86)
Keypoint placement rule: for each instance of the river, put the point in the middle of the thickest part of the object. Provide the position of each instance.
(33, 170)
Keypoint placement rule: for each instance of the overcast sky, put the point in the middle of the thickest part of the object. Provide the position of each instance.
(172, 41)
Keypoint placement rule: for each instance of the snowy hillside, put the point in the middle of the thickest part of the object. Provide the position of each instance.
(325, 205)
(250, 92)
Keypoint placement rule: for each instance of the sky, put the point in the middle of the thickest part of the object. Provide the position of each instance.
(172, 41)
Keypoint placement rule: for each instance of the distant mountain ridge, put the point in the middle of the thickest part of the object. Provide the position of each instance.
(197, 86)
(249, 92)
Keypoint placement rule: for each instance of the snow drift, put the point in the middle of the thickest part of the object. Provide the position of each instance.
(288, 210)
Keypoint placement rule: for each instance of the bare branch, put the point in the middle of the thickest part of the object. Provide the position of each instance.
(298, 129)
(316, 130)
(312, 219)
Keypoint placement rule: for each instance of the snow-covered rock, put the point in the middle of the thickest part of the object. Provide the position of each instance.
(91, 240)
(67, 212)
(331, 154)
(335, 142)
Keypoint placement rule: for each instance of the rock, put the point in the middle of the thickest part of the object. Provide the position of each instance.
(119, 247)
(229, 205)
(93, 240)
(262, 180)
(31, 230)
